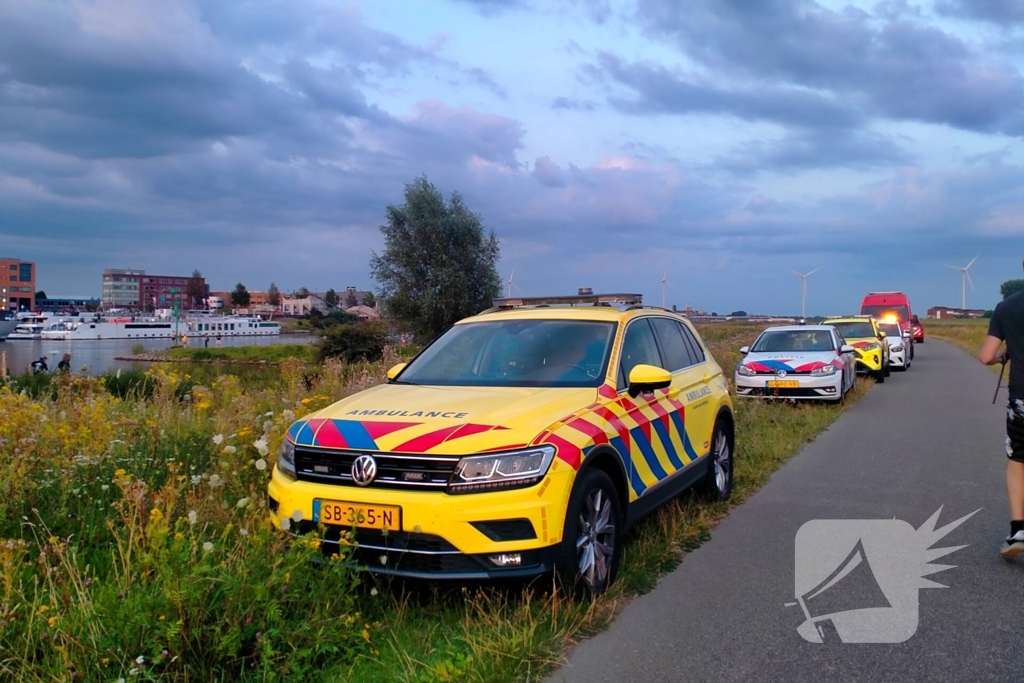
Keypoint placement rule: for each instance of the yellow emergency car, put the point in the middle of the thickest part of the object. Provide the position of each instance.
(524, 440)
(863, 334)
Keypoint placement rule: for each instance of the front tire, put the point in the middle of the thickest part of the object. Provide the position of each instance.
(592, 538)
(879, 376)
(717, 483)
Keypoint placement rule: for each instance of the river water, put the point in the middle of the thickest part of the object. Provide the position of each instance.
(97, 355)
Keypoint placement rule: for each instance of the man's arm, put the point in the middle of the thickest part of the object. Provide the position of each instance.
(990, 353)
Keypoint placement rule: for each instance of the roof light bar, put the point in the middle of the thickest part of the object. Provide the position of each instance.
(570, 300)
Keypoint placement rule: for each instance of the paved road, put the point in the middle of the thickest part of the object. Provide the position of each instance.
(924, 439)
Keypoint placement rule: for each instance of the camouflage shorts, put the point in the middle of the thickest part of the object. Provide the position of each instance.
(1015, 430)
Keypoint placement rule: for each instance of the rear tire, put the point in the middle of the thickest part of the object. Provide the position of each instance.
(717, 483)
(588, 558)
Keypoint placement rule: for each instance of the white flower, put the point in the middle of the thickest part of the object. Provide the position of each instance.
(219, 439)
(242, 502)
(261, 464)
(261, 446)
(373, 591)
(207, 547)
(269, 413)
(267, 426)
(229, 449)
(216, 481)
(196, 479)
(288, 415)
(140, 660)
(243, 531)
(297, 516)
(193, 517)
(286, 524)
(383, 559)
(105, 487)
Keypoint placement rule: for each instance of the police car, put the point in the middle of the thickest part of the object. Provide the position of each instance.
(807, 362)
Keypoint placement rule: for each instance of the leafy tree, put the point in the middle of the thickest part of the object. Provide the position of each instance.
(987, 314)
(331, 298)
(195, 290)
(240, 296)
(1011, 287)
(301, 293)
(738, 314)
(369, 300)
(273, 295)
(40, 295)
(90, 306)
(438, 264)
(351, 300)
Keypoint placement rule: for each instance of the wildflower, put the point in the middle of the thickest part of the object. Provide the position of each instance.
(133, 671)
(261, 446)
(261, 464)
(207, 546)
(259, 635)
(164, 654)
(287, 415)
(196, 479)
(383, 559)
(267, 426)
(243, 531)
(52, 621)
(286, 524)
(215, 480)
(218, 439)
(373, 591)
(230, 449)
(305, 401)
(242, 502)
(193, 516)
(140, 660)
(162, 618)
(105, 487)
(88, 582)
(297, 516)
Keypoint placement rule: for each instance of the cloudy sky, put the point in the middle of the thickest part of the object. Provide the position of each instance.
(605, 142)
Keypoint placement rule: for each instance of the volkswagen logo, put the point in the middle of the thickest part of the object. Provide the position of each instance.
(782, 373)
(364, 470)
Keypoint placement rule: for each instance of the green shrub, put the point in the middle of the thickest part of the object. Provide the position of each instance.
(138, 349)
(125, 384)
(35, 385)
(354, 342)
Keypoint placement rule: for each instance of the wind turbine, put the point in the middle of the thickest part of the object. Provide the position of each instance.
(512, 284)
(663, 282)
(803, 289)
(965, 277)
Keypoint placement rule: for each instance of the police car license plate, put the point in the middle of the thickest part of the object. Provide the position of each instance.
(340, 513)
(783, 384)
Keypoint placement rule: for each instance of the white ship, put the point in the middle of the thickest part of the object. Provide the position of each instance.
(29, 326)
(161, 328)
(6, 327)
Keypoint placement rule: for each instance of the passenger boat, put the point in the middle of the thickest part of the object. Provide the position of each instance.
(162, 328)
(29, 326)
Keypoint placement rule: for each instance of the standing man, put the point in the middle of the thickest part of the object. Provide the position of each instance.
(65, 364)
(1007, 325)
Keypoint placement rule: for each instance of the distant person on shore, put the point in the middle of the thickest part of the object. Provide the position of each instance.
(65, 363)
(1007, 325)
(218, 340)
(206, 342)
(38, 366)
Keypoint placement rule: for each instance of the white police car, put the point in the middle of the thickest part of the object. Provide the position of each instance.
(807, 362)
(900, 356)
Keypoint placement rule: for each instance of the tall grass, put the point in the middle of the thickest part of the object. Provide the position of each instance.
(134, 541)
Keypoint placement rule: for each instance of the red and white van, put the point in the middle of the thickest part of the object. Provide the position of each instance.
(889, 306)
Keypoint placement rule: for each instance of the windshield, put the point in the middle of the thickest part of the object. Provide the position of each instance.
(854, 330)
(883, 312)
(516, 353)
(891, 330)
(794, 340)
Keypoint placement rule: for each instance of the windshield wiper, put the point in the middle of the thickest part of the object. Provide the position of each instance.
(402, 381)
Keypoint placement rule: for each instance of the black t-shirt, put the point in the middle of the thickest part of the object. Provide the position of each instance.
(1008, 324)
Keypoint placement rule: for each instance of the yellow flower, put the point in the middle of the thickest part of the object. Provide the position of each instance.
(52, 621)
(163, 618)
(105, 661)
(366, 635)
(44, 608)
(304, 401)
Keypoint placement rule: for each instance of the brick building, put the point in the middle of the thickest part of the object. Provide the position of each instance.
(17, 285)
(944, 312)
(135, 289)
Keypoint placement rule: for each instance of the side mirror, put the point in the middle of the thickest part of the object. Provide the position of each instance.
(846, 348)
(744, 350)
(395, 369)
(906, 334)
(881, 335)
(647, 378)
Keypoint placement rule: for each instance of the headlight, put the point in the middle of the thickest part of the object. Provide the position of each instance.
(896, 348)
(824, 371)
(286, 459)
(870, 347)
(501, 470)
(745, 371)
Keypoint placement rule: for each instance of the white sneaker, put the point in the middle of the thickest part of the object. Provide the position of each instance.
(1013, 546)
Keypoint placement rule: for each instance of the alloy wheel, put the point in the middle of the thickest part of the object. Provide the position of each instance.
(723, 464)
(595, 544)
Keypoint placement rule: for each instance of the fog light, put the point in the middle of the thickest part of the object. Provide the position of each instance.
(830, 390)
(506, 560)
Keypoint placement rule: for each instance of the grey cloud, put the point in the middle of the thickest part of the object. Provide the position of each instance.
(659, 91)
(899, 69)
(491, 7)
(1000, 12)
(573, 104)
(549, 173)
(804, 150)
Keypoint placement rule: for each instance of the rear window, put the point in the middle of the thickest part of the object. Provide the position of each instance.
(855, 330)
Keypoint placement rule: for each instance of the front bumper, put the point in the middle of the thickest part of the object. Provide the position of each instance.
(827, 388)
(898, 359)
(870, 361)
(438, 539)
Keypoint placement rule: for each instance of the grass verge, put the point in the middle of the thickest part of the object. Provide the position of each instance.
(270, 353)
(967, 334)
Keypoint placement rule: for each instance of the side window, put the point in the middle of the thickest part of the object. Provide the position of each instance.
(695, 347)
(673, 346)
(638, 347)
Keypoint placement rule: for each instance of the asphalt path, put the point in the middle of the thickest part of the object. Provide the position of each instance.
(926, 438)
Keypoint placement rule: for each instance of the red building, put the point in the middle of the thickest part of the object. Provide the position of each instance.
(135, 289)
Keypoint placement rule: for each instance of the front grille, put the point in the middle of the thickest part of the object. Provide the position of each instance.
(507, 529)
(786, 393)
(394, 470)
